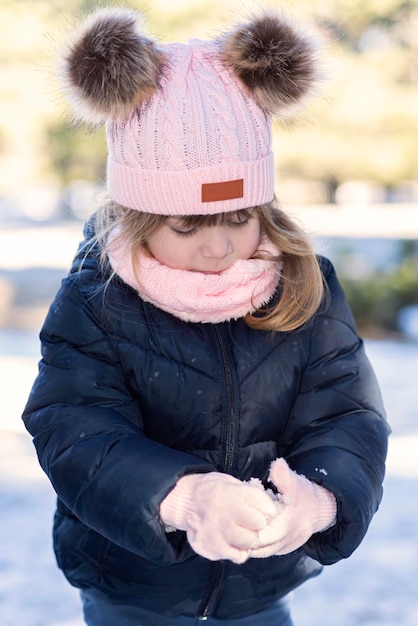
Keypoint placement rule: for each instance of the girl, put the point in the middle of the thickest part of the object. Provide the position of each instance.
(204, 408)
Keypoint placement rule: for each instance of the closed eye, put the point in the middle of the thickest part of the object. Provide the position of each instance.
(238, 223)
(188, 226)
(184, 233)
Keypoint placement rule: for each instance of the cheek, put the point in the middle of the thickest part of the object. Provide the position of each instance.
(165, 247)
(253, 240)
(158, 247)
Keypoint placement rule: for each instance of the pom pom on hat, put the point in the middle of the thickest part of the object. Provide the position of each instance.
(109, 67)
(276, 63)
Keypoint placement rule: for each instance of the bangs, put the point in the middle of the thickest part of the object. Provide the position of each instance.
(199, 221)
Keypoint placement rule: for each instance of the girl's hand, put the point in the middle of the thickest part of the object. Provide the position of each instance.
(221, 515)
(302, 509)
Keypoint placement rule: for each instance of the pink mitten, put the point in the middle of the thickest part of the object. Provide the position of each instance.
(220, 514)
(303, 508)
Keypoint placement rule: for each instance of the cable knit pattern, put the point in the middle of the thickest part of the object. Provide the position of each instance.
(197, 297)
(201, 127)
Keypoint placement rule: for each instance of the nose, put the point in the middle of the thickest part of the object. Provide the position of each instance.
(216, 243)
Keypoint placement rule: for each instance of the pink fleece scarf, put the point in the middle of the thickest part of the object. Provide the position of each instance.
(197, 297)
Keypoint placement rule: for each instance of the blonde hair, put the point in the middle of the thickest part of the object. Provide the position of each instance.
(301, 285)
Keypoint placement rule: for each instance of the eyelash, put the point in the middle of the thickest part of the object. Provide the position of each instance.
(184, 233)
(189, 233)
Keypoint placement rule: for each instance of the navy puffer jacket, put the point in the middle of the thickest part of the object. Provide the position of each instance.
(129, 399)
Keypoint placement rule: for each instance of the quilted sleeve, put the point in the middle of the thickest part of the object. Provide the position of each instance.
(337, 431)
(87, 432)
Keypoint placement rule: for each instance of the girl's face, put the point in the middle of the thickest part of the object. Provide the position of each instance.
(209, 248)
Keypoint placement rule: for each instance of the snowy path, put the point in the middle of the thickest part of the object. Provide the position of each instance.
(376, 586)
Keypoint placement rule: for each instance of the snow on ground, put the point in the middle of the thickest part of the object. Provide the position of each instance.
(376, 586)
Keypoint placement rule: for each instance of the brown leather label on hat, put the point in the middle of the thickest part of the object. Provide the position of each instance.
(227, 190)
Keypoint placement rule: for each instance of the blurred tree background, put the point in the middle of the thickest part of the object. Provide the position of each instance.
(357, 141)
(363, 127)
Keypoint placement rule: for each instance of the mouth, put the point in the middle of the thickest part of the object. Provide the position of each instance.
(212, 272)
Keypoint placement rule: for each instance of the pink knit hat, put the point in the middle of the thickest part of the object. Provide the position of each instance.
(188, 125)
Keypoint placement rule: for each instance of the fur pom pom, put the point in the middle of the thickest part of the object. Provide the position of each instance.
(276, 63)
(109, 68)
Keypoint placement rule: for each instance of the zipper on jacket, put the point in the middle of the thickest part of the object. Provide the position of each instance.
(228, 458)
(214, 591)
